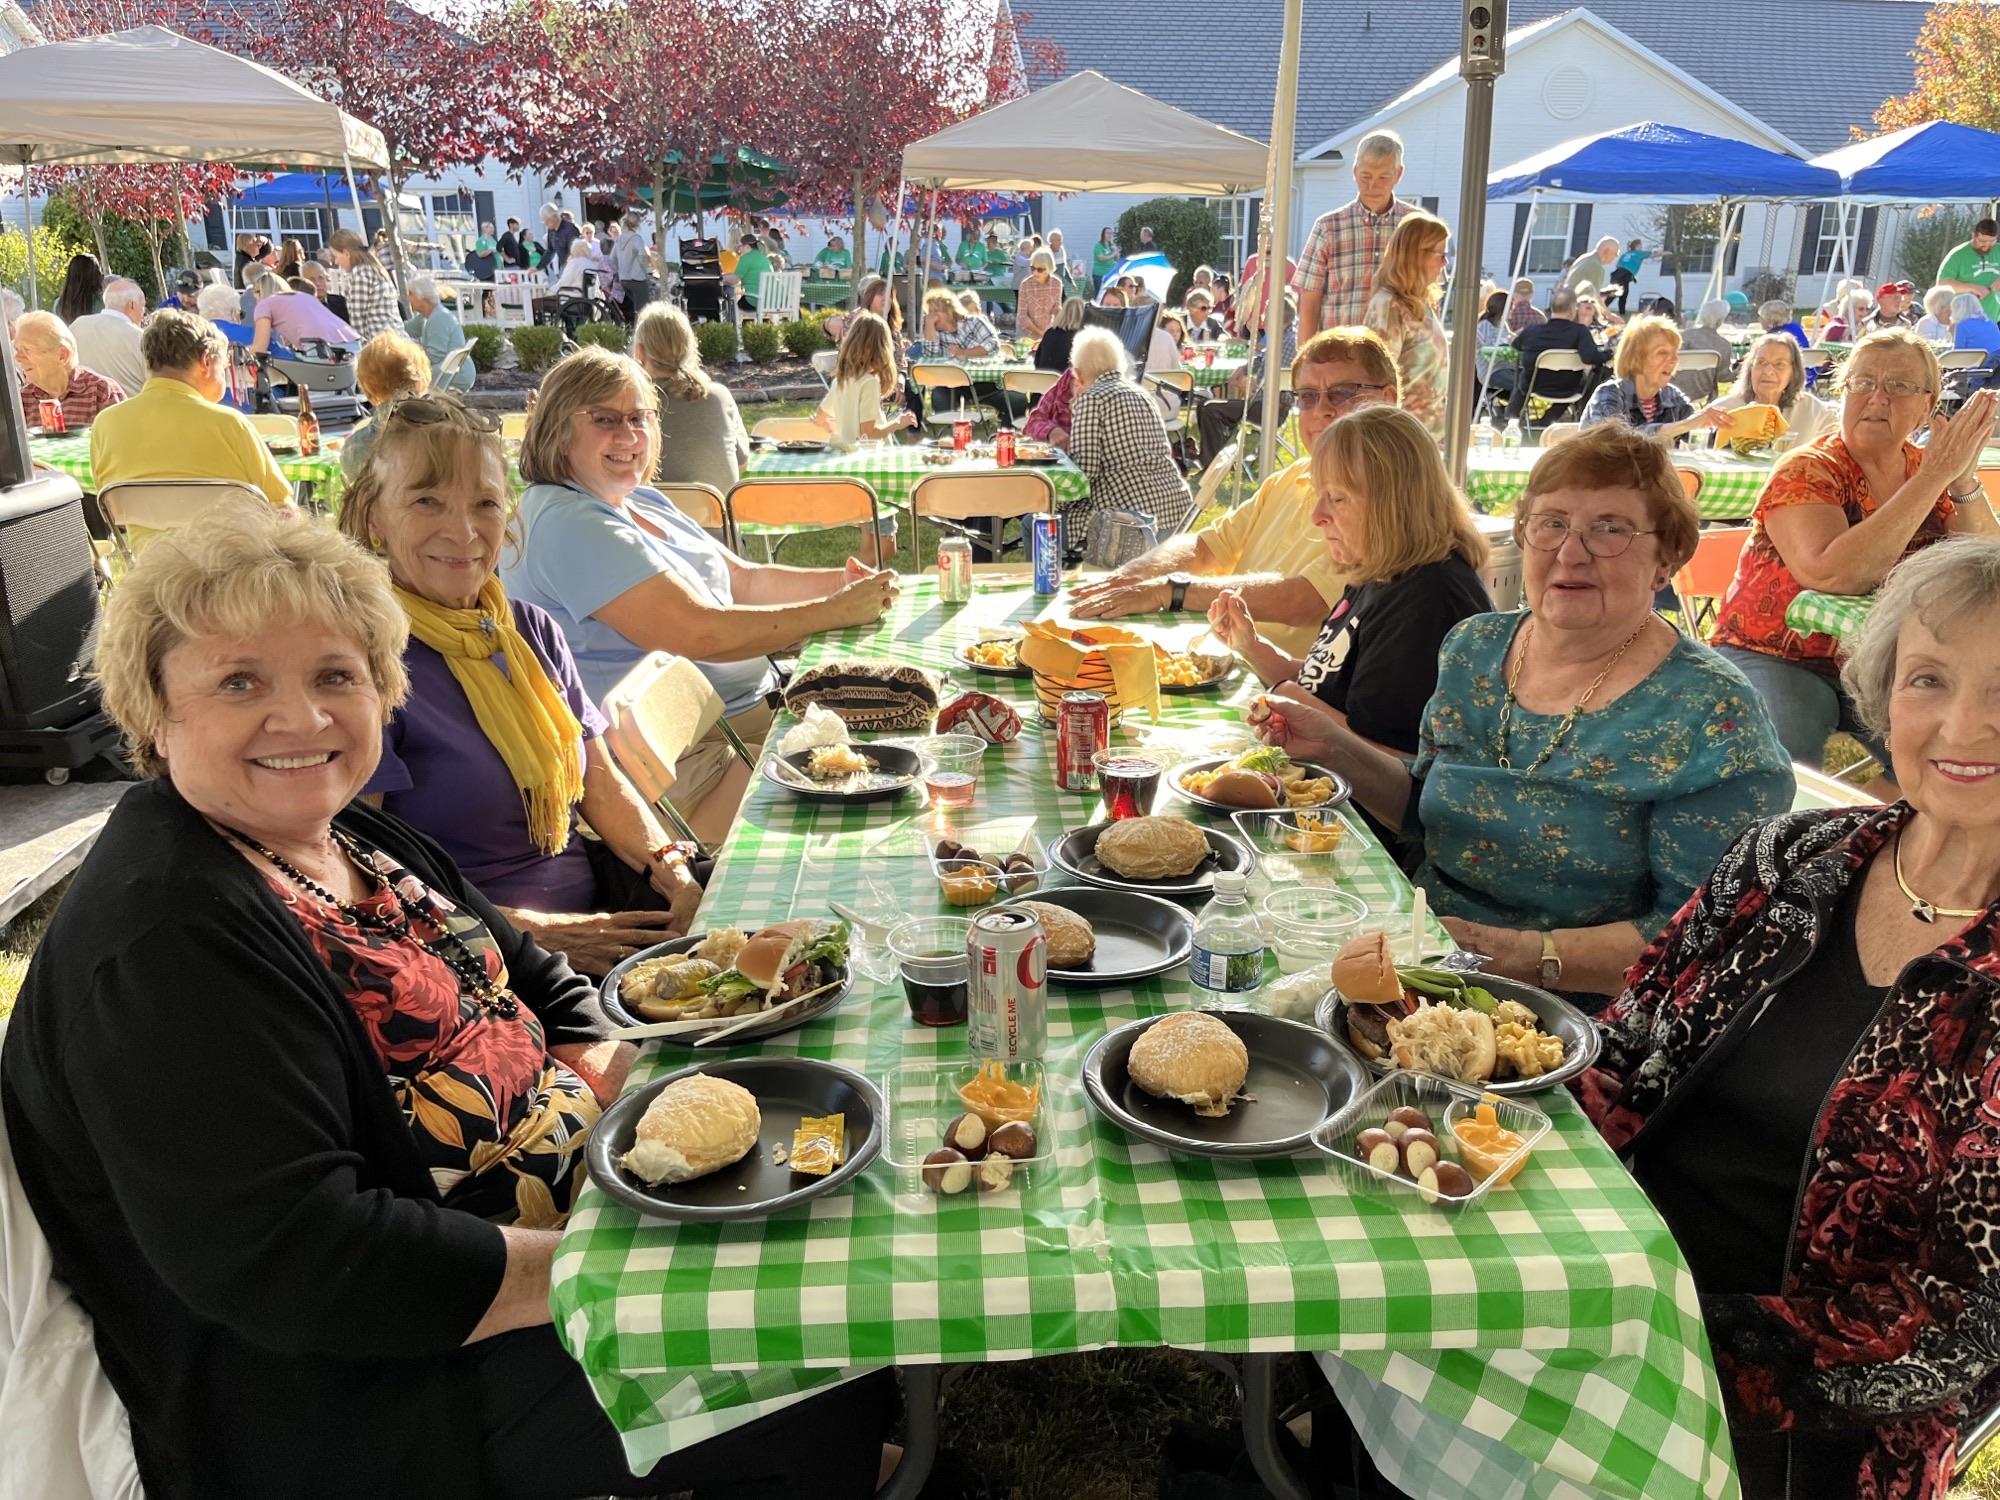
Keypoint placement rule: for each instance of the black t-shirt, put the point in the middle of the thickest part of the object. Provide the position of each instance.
(1393, 630)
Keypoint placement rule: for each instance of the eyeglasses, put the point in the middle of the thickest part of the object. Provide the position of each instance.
(604, 419)
(1334, 397)
(1895, 390)
(1607, 538)
(430, 411)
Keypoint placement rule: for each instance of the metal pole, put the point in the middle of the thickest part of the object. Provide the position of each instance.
(1278, 240)
(1464, 305)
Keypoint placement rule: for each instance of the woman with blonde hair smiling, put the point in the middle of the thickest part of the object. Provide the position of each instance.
(1391, 521)
(1403, 310)
(702, 440)
(1644, 396)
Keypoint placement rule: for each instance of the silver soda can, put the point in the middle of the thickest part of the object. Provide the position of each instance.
(1008, 1013)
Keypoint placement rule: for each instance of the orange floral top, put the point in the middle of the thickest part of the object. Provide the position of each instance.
(1752, 614)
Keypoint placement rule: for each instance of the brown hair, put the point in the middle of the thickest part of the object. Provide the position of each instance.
(1612, 456)
(1402, 272)
(392, 365)
(1361, 346)
(664, 341)
(1635, 345)
(1416, 516)
(422, 441)
(577, 383)
(866, 349)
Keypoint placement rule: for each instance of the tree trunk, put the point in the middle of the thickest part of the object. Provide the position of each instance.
(858, 260)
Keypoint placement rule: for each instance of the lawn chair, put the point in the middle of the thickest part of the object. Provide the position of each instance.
(1701, 581)
(702, 504)
(656, 713)
(152, 505)
(793, 502)
(994, 497)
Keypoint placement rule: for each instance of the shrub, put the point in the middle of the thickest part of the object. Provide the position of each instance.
(762, 341)
(1186, 233)
(716, 342)
(605, 335)
(485, 345)
(805, 337)
(538, 348)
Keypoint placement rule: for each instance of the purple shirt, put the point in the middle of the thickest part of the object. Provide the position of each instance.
(442, 776)
(295, 316)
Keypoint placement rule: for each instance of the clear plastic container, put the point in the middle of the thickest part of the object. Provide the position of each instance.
(1307, 925)
(1446, 1103)
(923, 1099)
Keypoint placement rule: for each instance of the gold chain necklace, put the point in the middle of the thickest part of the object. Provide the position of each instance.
(1569, 719)
(1922, 910)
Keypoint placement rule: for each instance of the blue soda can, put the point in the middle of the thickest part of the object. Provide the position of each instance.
(1045, 547)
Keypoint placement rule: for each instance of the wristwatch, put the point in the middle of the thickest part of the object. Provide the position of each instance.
(1552, 964)
(1180, 581)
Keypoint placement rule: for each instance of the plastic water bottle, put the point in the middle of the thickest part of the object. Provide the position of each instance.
(1511, 438)
(1228, 963)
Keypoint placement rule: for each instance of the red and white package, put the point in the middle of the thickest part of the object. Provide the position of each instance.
(981, 714)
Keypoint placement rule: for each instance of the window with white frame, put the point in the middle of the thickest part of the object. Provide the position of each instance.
(1548, 238)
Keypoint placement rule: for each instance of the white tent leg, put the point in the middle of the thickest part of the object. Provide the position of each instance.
(1284, 112)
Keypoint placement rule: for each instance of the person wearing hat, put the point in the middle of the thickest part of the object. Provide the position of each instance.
(1893, 307)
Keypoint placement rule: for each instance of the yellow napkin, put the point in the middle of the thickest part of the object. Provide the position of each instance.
(1062, 655)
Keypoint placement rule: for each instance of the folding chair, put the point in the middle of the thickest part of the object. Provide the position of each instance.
(796, 502)
(657, 712)
(274, 424)
(790, 430)
(1555, 362)
(967, 497)
(152, 505)
(702, 504)
(930, 376)
(1701, 581)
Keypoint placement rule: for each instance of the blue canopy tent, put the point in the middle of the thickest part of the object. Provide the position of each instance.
(1936, 162)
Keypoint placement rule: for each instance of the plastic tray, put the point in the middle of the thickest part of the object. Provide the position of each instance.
(923, 1099)
(1445, 1102)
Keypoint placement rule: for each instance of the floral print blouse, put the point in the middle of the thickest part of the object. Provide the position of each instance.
(498, 1123)
(1419, 349)
(1621, 823)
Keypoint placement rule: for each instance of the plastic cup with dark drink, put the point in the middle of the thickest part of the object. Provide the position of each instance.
(931, 957)
(1130, 781)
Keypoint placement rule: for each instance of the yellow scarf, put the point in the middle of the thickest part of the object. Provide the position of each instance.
(520, 710)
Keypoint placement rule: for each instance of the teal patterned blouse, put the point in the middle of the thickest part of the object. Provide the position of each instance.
(1621, 823)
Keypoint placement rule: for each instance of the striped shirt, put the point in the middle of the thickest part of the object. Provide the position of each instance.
(88, 394)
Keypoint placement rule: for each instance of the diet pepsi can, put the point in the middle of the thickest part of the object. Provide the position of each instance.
(1007, 1014)
(1045, 547)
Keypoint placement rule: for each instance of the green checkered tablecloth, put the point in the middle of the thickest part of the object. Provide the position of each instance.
(1837, 615)
(1559, 1326)
(71, 455)
(1496, 478)
(894, 469)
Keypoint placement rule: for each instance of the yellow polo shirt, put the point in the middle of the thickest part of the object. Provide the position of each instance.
(1274, 533)
(171, 431)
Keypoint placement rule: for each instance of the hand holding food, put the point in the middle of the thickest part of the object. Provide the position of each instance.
(1191, 1057)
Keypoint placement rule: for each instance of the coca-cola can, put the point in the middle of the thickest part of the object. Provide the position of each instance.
(1083, 727)
(1007, 1013)
(52, 416)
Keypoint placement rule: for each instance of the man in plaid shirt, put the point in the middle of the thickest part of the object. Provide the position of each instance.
(1337, 268)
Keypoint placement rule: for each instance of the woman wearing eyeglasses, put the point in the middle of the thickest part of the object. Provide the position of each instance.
(1582, 764)
(1837, 516)
(625, 573)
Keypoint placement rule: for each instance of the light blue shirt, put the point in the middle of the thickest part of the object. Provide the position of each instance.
(577, 554)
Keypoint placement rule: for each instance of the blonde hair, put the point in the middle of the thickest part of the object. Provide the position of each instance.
(236, 570)
(664, 343)
(1416, 516)
(391, 365)
(1612, 456)
(866, 349)
(1402, 272)
(443, 443)
(1635, 346)
(580, 381)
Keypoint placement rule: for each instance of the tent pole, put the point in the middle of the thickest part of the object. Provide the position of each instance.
(1278, 209)
(1464, 306)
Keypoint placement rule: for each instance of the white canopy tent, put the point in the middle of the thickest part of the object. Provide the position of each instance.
(153, 95)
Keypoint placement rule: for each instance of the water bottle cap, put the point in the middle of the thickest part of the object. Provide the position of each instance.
(1229, 882)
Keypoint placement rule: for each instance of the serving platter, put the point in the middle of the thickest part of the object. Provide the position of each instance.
(1578, 1033)
(789, 1019)
(1076, 852)
(1138, 935)
(787, 1089)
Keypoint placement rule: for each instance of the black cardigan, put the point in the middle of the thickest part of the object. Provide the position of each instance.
(210, 1144)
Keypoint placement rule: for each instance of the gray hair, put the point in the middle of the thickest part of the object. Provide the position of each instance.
(219, 303)
(124, 295)
(1713, 311)
(1377, 144)
(1964, 306)
(1943, 585)
(425, 287)
(1094, 352)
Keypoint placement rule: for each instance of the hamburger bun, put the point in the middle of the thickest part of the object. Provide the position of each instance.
(1241, 788)
(1364, 971)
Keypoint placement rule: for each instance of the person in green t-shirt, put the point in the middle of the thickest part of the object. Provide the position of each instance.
(751, 264)
(1103, 256)
(1974, 267)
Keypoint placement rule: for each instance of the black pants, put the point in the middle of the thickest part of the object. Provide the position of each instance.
(548, 1439)
(637, 295)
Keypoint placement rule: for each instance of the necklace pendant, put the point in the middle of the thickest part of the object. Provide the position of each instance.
(1922, 910)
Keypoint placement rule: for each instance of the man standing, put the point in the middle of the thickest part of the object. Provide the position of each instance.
(1337, 267)
(1522, 314)
(631, 262)
(1594, 266)
(1973, 267)
(108, 341)
(1560, 331)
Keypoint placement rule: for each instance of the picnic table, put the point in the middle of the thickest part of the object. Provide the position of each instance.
(894, 469)
(70, 454)
(1496, 478)
(1556, 1334)
(1837, 615)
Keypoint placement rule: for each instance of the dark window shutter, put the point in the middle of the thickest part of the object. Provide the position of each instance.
(1864, 244)
(1521, 212)
(1809, 239)
(482, 212)
(1579, 229)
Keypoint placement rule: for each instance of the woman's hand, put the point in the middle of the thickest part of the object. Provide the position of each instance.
(1955, 442)
(1229, 620)
(1515, 954)
(596, 942)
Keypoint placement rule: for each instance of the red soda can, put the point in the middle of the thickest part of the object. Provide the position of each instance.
(1007, 1012)
(52, 416)
(1003, 448)
(1083, 727)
